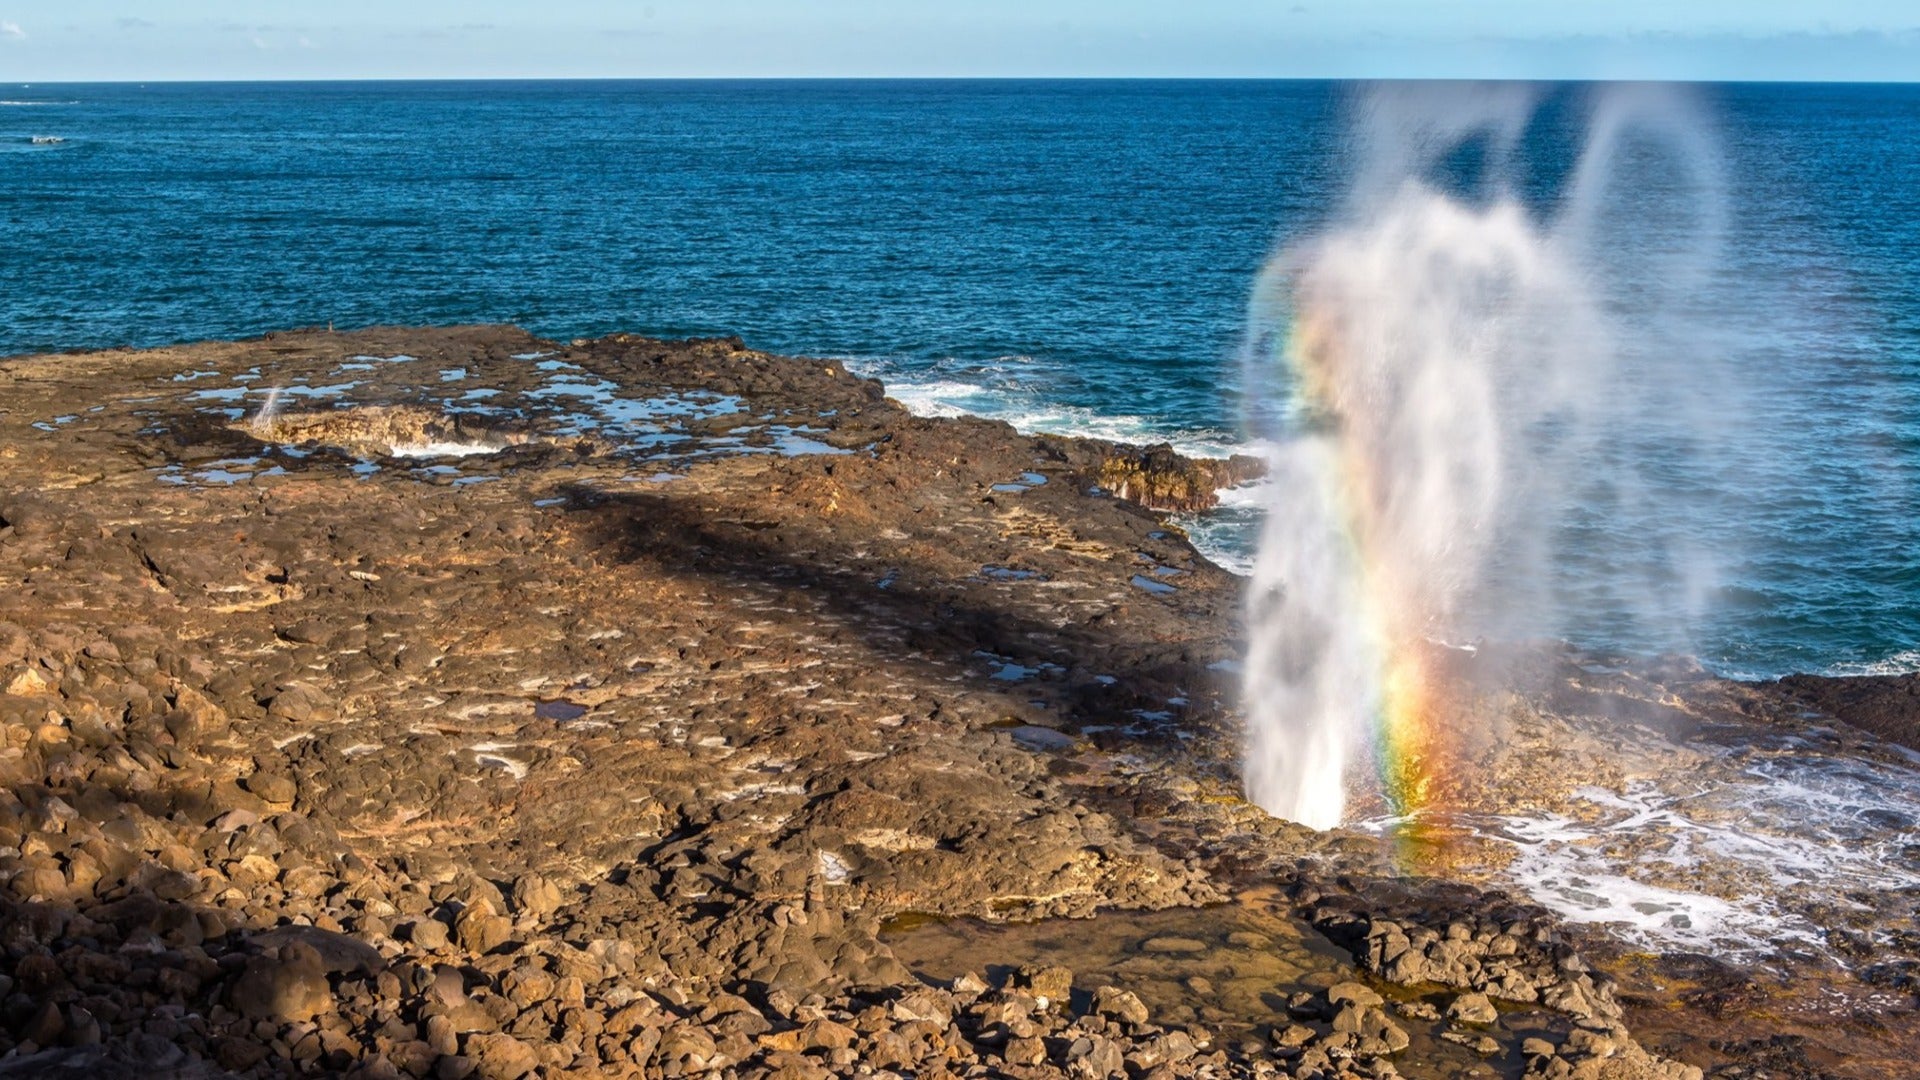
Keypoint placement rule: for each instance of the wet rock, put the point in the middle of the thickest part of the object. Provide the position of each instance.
(1484, 1045)
(1354, 993)
(1472, 1009)
(1162, 479)
(1052, 983)
(1887, 705)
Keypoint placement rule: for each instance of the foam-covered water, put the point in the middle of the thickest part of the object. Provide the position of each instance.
(1027, 406)
(1765, 850)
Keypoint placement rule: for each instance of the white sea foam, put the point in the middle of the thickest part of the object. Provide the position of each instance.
(1741, 863)
(1559, 868)
(1030, 414)
(1221, 542)
(1901, 663)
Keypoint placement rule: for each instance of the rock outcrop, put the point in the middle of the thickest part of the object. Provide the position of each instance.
(498, 707)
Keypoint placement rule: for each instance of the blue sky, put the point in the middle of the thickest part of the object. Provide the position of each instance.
(54, 40)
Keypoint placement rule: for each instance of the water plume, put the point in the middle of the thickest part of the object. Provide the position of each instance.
(263, 420)
(1477, 360)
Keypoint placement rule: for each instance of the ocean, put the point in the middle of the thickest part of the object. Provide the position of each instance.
(1071, 256)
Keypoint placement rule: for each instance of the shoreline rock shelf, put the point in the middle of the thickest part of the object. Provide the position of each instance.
(450, 702)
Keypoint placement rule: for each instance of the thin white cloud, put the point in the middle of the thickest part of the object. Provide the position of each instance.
(12, 31)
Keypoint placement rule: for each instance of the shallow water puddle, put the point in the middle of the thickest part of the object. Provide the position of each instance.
(442, 448)
(1229, 964)
(1034, 737)
(219, 473)
(559, 709)
(1027, 482)
(493, 755)
(1006, 669)
(1231, 968)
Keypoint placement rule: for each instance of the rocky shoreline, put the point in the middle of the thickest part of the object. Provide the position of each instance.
(450, 702)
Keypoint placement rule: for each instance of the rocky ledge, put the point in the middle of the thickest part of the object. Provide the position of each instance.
(450, 702)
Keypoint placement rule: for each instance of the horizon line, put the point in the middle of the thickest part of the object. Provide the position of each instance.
(1761, 81)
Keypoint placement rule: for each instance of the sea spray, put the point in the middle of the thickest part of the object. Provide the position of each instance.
(263, 420)
(1473, 379)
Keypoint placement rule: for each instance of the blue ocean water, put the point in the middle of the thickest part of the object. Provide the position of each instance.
(1072, 256)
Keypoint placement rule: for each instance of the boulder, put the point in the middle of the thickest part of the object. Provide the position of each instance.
(285, 985)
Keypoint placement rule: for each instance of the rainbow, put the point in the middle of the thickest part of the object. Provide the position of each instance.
(1405, 741)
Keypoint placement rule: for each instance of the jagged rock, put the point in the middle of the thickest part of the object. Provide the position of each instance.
(926, 1005)
(1095, 1056)
(501, 1057)
(479, 930)
(428, 934)
(1122, 1005)
(535, 895)
(1026, 1050)
(1472, 1009)
(1158, 477)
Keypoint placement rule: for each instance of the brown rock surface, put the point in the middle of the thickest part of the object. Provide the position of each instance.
(1887, 705)
(492, 706)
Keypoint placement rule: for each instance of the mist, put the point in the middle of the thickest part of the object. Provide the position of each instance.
(1505, 362)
